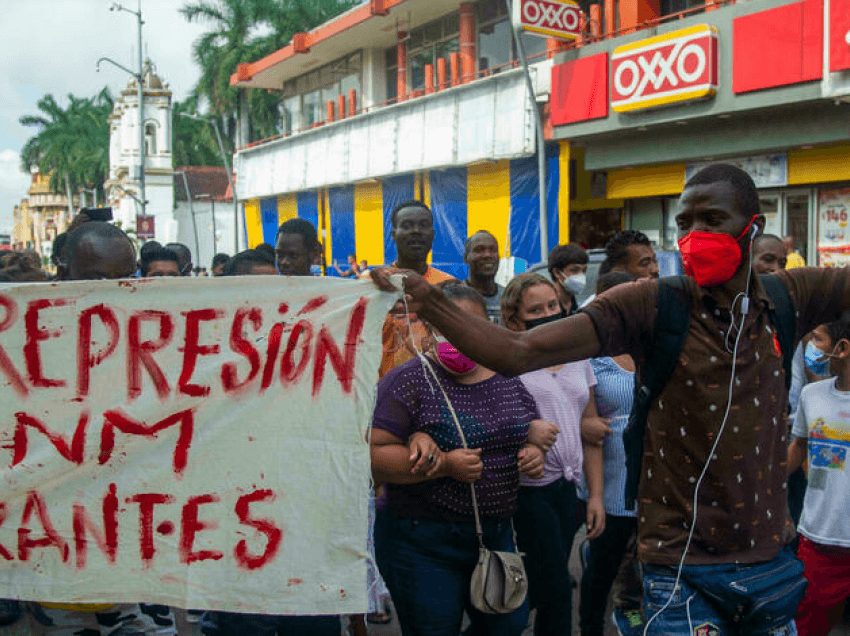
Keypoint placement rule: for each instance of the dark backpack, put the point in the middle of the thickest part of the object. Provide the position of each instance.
(671, 329)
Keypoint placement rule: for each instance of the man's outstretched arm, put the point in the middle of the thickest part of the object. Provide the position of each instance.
(497, 348)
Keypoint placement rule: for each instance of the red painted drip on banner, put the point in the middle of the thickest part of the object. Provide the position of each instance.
(86, 359)
(116, 419)
(192, 350)
(191, 526)
(146, 502)
(140, 353)
(35, 503)
(312, 305)
(289, 371)
(16, 380)
(72, 451)
(327, 348)
(35, 334)
(4, 552)
(107, 540)
(241, 345)
(267, 527)
(272, 351)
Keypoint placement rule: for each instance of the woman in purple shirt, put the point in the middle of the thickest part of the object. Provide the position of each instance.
(425, 540)
(547, 509)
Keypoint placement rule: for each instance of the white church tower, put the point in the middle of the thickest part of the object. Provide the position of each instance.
(122, 187)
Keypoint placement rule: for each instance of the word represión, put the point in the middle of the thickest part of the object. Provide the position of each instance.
(260, 348)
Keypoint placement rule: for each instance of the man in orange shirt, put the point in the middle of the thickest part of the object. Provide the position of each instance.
(413, 235)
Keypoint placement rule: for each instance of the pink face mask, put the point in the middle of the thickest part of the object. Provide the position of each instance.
(453, 359)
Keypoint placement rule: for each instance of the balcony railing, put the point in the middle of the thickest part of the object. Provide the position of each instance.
(446, 74)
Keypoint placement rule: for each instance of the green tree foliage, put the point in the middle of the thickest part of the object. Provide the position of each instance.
(194, 141)
(244, 31)
(72, 143)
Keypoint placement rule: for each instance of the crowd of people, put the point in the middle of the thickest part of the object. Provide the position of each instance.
(665, 415)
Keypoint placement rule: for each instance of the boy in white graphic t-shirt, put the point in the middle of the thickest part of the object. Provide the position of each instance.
(822, 436)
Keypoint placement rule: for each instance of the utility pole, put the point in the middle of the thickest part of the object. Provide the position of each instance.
(541, 140)
(212, 122)
(191, 211)
(212, 206)
(140, 81)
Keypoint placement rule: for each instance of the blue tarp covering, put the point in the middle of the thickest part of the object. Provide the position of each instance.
(268, 216)
(448, 203)
(341, 204)
(395, 190)
(525, 205)
(308, 207)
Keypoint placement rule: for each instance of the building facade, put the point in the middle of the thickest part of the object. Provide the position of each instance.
(435, 107)
(763, 84)
(122, 186)
(41, 216)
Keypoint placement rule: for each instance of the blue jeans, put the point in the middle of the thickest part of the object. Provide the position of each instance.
(428, 565)
(689, 612)
(232, 624)
(546, 521)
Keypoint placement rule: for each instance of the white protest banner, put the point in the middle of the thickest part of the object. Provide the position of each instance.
(192, 442)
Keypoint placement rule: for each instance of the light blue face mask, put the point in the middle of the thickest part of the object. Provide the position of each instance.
(817, 361)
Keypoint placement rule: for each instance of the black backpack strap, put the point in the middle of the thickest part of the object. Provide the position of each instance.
(671, 328)
(783, 318)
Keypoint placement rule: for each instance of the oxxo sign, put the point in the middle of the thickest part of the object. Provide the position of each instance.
(559, 19)
(667, 69)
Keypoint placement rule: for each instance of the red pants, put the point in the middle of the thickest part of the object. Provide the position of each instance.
(828, 573)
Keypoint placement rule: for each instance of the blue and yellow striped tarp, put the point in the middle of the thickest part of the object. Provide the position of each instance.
(355, 219)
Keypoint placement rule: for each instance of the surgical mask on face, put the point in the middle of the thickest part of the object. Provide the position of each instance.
(536, 322)
(817, 361)
(452, 359)
(574, 284)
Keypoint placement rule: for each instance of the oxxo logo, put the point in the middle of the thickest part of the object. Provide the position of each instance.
(551, 18)
(666, 69)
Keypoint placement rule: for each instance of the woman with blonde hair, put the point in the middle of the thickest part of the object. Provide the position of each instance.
(546, 519)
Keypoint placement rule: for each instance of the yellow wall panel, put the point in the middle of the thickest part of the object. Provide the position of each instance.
(423, 185)
(253, 222)
(827, 163)
(564, 193)
(287, 207)
(325, 226)
(369, 222)
(646, 181)
(488, 204)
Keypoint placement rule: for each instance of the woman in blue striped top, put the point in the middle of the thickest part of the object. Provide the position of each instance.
(614, 392)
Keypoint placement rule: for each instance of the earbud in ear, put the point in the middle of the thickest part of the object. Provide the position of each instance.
(755, 230)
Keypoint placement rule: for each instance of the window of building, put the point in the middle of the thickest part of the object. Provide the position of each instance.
(669, 7)
(437, 39)
(305, 98)
(150, 139)
(496, 47)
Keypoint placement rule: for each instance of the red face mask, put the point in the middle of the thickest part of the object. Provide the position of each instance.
(712, 258)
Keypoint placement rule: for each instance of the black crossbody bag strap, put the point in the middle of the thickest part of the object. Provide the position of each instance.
(671, 329)
(784, 320)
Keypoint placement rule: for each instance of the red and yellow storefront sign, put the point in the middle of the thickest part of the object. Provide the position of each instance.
(666, 69)
(559, 19)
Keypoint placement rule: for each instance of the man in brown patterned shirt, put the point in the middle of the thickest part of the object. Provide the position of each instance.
(742, 520)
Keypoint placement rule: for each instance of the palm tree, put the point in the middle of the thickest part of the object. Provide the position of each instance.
(194, 141)
(72, 144)
(244, 31)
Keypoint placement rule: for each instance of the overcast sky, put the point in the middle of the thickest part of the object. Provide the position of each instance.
(51, 46)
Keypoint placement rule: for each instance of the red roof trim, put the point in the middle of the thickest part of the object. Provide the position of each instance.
(314, 37)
